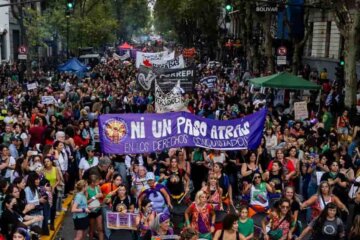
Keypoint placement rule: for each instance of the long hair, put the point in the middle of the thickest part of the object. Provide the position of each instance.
(288, 216)
(320, 185)
(31, 181)
(322, 217)
(295, 197)
(355, 228)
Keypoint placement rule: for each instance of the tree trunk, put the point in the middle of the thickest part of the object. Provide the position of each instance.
(351, 48)
(296, 59)
(268, 44)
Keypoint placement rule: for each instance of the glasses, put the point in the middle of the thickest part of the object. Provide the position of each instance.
(256, 177)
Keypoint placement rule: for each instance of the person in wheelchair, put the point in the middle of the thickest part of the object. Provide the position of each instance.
(258, 191)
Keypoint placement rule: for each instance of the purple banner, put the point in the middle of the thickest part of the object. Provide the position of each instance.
(146, 133)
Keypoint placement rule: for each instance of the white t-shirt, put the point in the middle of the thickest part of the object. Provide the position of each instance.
(84, 164)
(9, 172)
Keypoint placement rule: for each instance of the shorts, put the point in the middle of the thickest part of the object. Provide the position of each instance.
(95, 214)
(81, 223)
(343, 130)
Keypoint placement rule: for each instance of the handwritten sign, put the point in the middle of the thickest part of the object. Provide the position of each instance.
(31, 86)
(301, 111)
(116, 220)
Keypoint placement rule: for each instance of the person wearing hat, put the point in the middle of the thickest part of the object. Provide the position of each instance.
(89, 161)
(157, 193)
(161, 226)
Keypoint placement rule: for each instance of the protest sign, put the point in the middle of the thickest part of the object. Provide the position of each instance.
(177, 62)
(146, 133)
(301, 111)
(31, 86)
(209, 81)
(48, 100)
(116, 220)
(145, 58)
(166, 78)
(168, 102)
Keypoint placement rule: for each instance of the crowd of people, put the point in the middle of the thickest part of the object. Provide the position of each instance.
(303, 179)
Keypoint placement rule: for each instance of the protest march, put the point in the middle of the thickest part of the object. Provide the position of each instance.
(156, 145)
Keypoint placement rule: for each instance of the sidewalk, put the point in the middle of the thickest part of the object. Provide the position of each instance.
(59, 219)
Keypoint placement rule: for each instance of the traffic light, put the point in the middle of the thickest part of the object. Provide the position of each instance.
(70, 4)
(342, 61)
(69, 7)
(340, 71)
(228, 6)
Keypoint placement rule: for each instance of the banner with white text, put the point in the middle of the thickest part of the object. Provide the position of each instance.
(146, 133)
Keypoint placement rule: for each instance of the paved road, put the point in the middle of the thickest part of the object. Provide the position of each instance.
(67, 230)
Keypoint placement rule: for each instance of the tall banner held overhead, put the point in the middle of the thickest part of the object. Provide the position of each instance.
(177, 62)
(166, 78)
(145, 58)
(146, 133)
(170, 101)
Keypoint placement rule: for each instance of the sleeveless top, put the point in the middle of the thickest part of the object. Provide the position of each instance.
(51, 176)
(222, 235)
(319, 205)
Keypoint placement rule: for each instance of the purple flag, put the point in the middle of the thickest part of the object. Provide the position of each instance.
(146, 133)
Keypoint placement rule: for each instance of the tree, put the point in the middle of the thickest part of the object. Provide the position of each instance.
(133, 15)
(190, 20)
(348, 23)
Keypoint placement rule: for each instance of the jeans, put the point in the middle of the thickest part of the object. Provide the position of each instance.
(107, 231)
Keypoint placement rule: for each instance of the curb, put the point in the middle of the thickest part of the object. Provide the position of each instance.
(59, 219)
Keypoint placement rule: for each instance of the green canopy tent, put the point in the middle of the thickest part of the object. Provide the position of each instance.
(285, 80)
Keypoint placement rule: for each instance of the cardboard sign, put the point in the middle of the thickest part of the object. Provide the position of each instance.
(116, 220)
(31, 86)
(301, 111)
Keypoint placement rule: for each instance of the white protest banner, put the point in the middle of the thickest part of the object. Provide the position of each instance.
(31, 86)
(125, 56)
(177, 62)
(48, 100)
(209, 81)
(168, 102)
(145, 58)
(301, 110)
(116, 220)
(116, 56)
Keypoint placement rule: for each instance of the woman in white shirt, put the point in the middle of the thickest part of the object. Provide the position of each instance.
(90, 161)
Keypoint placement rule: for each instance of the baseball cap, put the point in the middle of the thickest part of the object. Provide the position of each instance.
(89, 148)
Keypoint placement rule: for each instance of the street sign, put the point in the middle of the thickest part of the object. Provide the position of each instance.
(282, 51)
(22, 56)
(22, 50)
(281, 60)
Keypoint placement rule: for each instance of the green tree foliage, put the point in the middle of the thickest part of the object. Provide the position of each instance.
(189, 19)
(133, 16)
(92, 23)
